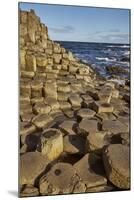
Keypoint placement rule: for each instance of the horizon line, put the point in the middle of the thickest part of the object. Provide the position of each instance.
(91, 42)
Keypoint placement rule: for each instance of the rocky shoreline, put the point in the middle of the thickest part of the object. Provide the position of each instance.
(74, 126)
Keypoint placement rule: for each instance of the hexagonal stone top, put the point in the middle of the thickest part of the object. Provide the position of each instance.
(32, 164)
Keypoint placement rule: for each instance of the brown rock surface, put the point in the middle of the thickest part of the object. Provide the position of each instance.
(32, 164)
(59, 180)
(116, 162)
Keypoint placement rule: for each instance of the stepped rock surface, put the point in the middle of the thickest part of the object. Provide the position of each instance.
(68, 116)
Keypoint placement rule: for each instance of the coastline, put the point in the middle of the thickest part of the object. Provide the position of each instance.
(72, 120)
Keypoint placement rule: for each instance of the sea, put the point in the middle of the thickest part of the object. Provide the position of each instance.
(100, 55)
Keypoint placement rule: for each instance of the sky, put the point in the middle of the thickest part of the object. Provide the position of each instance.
(83, 24)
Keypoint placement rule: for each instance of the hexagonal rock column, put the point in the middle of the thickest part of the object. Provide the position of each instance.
(59, 180)
(42, 121)
(116, 162)
(41, 108)
(68, 127)
(87, 175)
(96, 141)
(32, 164)
(75, 101)
(100, 107)
(85, 113)
(87, 126)
(74, 144)
(36, 88)
(51, 143)
(114, 126)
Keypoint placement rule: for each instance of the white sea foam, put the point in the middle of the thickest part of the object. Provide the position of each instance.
(126, 53)
(123, 46)
(105, 59)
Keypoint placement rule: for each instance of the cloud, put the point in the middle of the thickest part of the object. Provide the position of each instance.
(65, 29)
(111, 36)
(115, 37)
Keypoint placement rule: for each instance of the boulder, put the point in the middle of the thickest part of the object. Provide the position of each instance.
(32, 164)
(117, 165)
(51, 143)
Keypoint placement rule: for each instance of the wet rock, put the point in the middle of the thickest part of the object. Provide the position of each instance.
(74, 144)
(87, 126)
(51, 143)
(116, 162)
(87, 175)
(29, 191)
(114, 126)
(125, 59)
(42, 121)
(116, 70)
(58, 180)
(32, 164)
(85, 113)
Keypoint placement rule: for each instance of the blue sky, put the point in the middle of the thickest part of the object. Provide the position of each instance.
(84, 24)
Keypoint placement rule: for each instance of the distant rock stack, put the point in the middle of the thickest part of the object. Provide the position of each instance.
(67, 118)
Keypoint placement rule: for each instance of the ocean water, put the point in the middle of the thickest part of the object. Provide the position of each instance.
(100, 55)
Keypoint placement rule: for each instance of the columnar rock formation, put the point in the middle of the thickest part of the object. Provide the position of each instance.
(67, 117)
